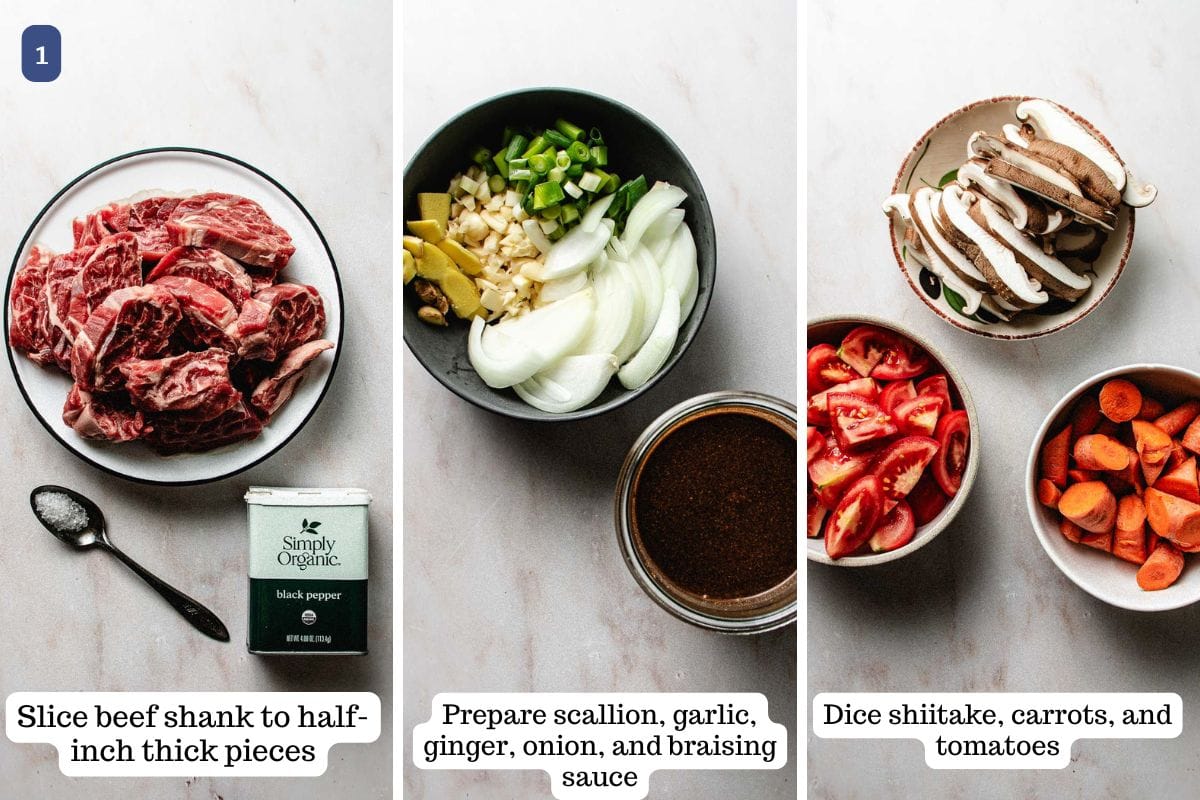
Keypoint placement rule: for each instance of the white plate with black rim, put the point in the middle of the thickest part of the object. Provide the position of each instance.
(180, 170)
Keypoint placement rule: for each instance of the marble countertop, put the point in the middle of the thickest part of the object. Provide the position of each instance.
(303, 92)
(513, 580)
(983, 608)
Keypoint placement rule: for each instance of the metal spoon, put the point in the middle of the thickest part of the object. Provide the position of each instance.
(83, 534)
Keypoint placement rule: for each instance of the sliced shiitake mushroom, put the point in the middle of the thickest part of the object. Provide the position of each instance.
(1054, 276)
(992, 257)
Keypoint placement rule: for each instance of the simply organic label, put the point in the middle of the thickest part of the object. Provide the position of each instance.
(312, 543)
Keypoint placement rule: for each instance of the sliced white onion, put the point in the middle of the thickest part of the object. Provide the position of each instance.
(570, 384)
(650, 277)
(648, 210)
(633, 336)
(534, 232)
(514, 349)
(654, 353)
(560, 288)
(511, 364)
(595, 212)
(680, 269)
(571, 254)
(657, 237)
(614, 310)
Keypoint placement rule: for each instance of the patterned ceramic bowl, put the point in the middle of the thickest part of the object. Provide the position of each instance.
(933, 161)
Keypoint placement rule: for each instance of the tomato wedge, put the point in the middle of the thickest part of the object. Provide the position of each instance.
(852, 522)
(857, 420)
(901, 363)
(919, 416)
(937, 385)
(896, 393)
(833, 471)
(953, 435)
(818, 404)
(826, 369)
(900, 465)
(816, 443)
(927, 499)
(816, 517)
(896, 529)
(865, 346)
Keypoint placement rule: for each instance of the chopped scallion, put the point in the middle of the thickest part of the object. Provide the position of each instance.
(481, 156)
(578, 152)
(569, 130)
(550, 216)
(557, 139)
(598, 155)
(569, 214)
(547, 194)
(562, 159)
(594, 137)
(501, 163)
(539, 164)
(572, 189)
(536, 146)
(558, 175)
(523, 174)
(590, 182)
(575, 171)
(497, 183)
(516, 147)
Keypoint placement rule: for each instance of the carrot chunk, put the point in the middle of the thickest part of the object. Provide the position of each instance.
(1177, 419)
(1153, 446)
(1090, 505)
(1191, 437)
(1152, 409)
(1162, 568)
(1055, 457)
(1120, 400)
(1181, 481)
(1131, 514)
(1098, 452)
(1130, 545)
(1070, 531)
(1100, 541)
(1047, 493)
(1082, 475)
(1085, 416)
(1172, 518)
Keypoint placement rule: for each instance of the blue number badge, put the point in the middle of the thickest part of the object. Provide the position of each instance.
(41, 53)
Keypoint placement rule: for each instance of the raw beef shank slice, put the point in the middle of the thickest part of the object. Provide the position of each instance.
(236, 226)
(134, 322)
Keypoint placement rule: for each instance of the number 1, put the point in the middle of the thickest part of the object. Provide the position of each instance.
(41, 51)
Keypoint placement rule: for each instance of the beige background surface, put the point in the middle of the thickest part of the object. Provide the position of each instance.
(512, 576)
(303, 91)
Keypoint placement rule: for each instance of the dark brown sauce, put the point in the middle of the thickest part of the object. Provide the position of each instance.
(714, 504)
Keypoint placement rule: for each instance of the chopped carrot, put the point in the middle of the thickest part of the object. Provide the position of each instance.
(1177, 419)
(1131, 514)
(1178, 456)
(1181, 481)
(1162, 568)
(1153, 446)
(1130, 545)
(1152, 409)
(1100, 541)
(1098, 452)
(1172, 518)
(1082, 475)
(1091, 506)
(1047, 493)
(1152, 540)
(1055, 457)
(1086, 416)
(1191, 437)
(1120, 400)
(1070, 531)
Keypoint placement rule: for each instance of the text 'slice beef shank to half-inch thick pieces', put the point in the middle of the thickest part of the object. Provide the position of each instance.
(235, 225)
(135, 322)
(278, 319)
(114, 264)
(273, 392)
(93, 417)
(27, 308)
(196, 382)
(209, 266)
(207, 314)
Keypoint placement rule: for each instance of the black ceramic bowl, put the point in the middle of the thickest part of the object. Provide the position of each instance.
(635, 145)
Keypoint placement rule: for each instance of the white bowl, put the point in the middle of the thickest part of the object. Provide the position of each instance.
(944, 148)
(1102, 575)
(831, 330)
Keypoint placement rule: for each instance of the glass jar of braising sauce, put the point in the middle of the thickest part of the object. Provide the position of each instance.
(706, 511)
